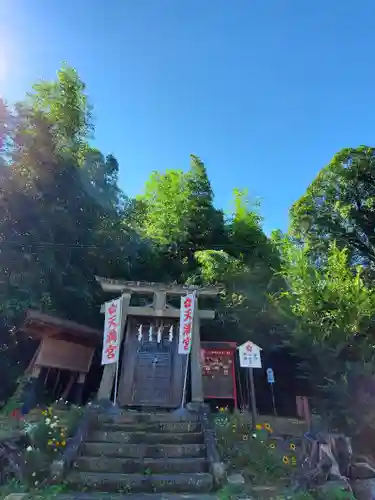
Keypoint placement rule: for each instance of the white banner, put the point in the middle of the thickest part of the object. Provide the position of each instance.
(186, 323)
(250, 355)
(112, 330)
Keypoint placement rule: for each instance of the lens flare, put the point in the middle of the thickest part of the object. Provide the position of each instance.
(2, 66)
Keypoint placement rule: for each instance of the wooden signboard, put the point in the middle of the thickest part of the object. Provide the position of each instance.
(64, 355)
(218, 370)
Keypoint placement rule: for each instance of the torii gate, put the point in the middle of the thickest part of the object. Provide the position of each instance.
(158, 309)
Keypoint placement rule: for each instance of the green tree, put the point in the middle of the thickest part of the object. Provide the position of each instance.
(56, 233)
(65, 105)
(329, 311)
(245, 231)
(161, 212)
(245, 270)
(339, 205)
(205, 222)
(99, 176)
(176, 214)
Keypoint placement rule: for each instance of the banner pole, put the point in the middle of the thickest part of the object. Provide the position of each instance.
(253, 399)
(273, 400)
(116, 383)
(181, 409)
(183, 400)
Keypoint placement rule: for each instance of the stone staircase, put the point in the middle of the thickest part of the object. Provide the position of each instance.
(132, 453)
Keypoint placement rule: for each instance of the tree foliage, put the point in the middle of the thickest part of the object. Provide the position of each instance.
(56, 233)
(331, 302)
(65, 106)
(339, 206)
(329, 310)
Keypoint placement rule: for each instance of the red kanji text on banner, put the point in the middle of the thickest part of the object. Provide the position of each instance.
(186, 323)
(112, 331)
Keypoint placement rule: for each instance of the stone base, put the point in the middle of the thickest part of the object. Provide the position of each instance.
(196, 407)
(104, 403)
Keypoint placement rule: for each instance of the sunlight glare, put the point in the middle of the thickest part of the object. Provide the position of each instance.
(2, 66)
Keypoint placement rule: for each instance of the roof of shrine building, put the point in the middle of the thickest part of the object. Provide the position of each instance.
(37, 325)
(111, 285)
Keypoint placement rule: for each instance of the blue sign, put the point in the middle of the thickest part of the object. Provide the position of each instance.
(270, 376)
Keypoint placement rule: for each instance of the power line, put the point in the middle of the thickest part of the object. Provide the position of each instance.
(51, 244)
(64, 245)
(140, 242)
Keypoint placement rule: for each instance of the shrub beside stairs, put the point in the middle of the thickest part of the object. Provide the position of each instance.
(141, 453)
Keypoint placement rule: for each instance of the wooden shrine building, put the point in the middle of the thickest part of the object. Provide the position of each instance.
(151, 372)
(62, 359)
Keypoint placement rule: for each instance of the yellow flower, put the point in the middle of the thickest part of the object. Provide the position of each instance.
(268, 428)
(272, 446)
(285, 460)
(63, 443)
(57, 443)
(221, 410)
(292, 446)
(259, 427)
(50, 442)
(44, 413)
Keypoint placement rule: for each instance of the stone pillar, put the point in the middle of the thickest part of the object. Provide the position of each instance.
(109, 371)
(195, 359)
(78, 389)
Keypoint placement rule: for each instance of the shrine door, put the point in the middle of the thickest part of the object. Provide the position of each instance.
(153, 371)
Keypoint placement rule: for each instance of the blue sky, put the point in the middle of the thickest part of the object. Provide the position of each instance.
(265, 92)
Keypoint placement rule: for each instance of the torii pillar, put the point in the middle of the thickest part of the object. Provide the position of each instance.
(195, 361)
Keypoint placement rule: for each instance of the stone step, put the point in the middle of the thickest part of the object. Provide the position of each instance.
(153, 483)
(152, 427)
(143, 450)
(142, 417)
(98, 495)
(131, 465)
(145, 437)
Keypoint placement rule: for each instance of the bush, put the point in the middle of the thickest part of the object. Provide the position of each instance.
(48, 437)
(254, 454)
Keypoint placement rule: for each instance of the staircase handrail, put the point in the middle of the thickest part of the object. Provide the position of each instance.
(215, 463)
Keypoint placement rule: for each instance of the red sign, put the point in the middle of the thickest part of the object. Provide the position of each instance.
(218, 372)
